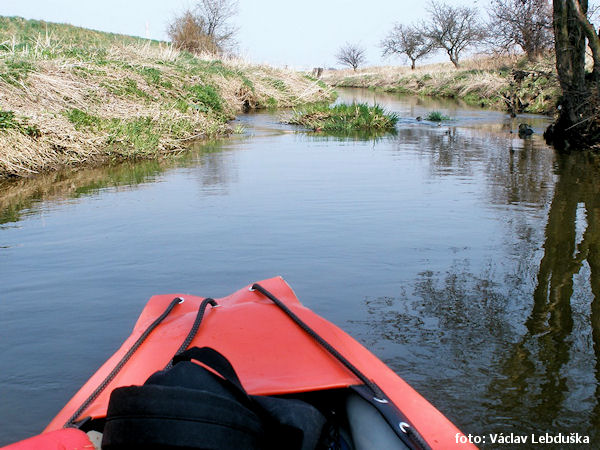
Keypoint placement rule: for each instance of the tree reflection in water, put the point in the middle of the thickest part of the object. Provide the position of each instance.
(508, 347)
(541, 373)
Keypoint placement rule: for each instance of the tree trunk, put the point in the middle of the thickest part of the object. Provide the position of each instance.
(412, 64)
(453, 58)
(570, 59)
(580, 12)
(570, 47)
(527, 44)
(531, 52)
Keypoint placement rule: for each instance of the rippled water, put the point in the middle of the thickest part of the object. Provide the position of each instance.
(465, 257)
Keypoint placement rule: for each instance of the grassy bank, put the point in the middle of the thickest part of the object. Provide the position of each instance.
(345, 118)
(488, 82)
(72, 96)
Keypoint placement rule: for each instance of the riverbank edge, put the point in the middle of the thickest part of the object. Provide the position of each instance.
(66, 106)
(509, 83)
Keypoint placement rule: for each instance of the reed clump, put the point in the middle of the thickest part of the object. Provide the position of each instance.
(73, 96)
(345, 118)
(436, 116)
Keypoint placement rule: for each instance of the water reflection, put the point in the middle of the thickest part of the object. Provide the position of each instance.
(521, 336)
(518, 171)
(544, 373)
(22, 196)
(19, 196)
(344, 136)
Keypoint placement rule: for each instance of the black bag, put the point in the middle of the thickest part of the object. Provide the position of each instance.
(189, 407)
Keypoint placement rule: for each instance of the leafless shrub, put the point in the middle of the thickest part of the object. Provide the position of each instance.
(216, 15)
(453, 28)
(351, 55)
(187, 32)
(407, 40)
(206, 28)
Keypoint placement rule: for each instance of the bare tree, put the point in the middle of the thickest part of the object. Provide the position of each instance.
(217, 15)
(407, 40)
(521, 23)
(453, 28)
(206, 28)
(578, 122)
(351, 55)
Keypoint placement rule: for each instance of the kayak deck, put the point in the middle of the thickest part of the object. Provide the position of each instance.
(270, 353)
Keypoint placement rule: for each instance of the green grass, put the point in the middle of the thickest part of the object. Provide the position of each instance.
(24, 31)
(277, 84)
(49, 40)
(15, 70)
(9, 120)
(271, 102)
(85, 72)
(320, 83)
(205, 98)
(476, 99)
(436, 116)
(97, 55)
(139, 136)
(153, 76)
(81, 119)
(345, 118)
(190, 64)
(127, 88)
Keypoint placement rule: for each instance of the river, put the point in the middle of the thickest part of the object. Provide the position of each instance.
(465, 257)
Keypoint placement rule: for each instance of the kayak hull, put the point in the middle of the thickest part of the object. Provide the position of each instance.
(270, 353)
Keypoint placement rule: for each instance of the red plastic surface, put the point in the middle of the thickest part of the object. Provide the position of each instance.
(270, 353)
(65, 439)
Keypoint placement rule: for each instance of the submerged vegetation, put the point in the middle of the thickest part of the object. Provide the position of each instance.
(345, 118)
(73, 96)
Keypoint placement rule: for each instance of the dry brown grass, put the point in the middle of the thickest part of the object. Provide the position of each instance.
(391, 74)
(132, 101)
(481, 80)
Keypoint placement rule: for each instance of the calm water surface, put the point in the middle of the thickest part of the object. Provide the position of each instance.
(466, 258)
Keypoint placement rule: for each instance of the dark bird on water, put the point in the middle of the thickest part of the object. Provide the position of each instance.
(525, 130)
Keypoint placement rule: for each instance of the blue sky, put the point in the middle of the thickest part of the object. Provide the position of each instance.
(300, 34)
